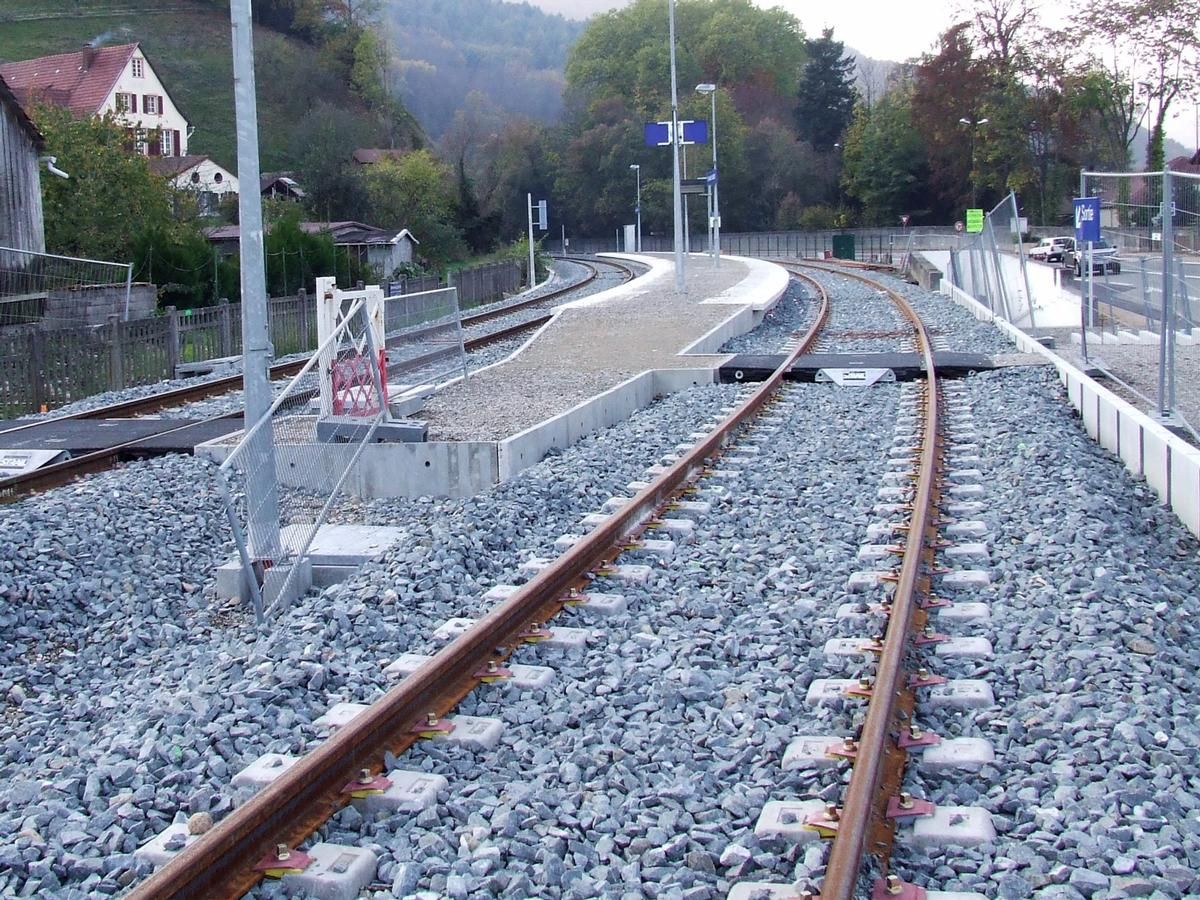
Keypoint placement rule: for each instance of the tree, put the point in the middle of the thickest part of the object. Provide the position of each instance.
(827, 92)
(111, 193)
(884, 163)
(417, 192)
(1162, 37)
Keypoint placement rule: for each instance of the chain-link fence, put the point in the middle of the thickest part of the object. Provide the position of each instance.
(62, 291)
(992, 267)
(287, 473)
(425, 343)
(1143, 279)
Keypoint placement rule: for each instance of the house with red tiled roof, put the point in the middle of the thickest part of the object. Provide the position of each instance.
(197, 175)
(93, 81)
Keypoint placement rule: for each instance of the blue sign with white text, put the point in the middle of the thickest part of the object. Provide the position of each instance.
(658, 134)
(1087, 218)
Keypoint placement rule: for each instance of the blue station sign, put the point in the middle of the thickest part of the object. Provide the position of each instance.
(658, 134)
(1087, 219)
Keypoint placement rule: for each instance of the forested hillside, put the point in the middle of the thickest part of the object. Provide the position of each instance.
(304, 85)
(510, 55)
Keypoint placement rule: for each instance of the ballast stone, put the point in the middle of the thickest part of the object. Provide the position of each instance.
(337, 872)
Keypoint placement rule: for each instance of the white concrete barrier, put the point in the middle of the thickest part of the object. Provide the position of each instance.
(1170, 465)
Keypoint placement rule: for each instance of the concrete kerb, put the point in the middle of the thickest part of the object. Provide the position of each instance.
(464, 468)
(1169, 464)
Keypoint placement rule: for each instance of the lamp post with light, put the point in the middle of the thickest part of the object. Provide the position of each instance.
(974, 123)
(680, 280)
(714, 216)
(637, 169)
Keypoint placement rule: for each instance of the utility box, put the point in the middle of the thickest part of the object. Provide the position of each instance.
(843, 246)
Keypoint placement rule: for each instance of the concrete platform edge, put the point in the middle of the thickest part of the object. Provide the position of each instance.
(1169, 464)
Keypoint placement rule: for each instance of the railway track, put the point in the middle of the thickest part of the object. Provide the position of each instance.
(267, 828)
(58, 474)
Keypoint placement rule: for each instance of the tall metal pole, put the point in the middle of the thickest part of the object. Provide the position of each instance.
(262, 490)
(529, 213)
(716, 188)
(637, 210)
(1166, 401)
(680, 281)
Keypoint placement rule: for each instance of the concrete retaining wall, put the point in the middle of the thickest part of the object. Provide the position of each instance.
(1170, 465)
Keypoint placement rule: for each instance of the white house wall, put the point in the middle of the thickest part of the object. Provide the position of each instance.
(170, 119)
(213, 178)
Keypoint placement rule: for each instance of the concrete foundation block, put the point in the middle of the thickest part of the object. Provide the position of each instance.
(958, 753)
(952, 826)
(965, 529)
(452, 628)
(964, 612)
(636, 487)
(259, 774)
(963, 460)
(964, 648)
(873, 552)
(893, 493)
(852, 611)
(162, 849)
(529, 678)
(567, 638)
(534, 564)
(878, 532)
(691, 507)
(960, 508)
(338, 715)
(680, 530)
(829, 690)
(594, 520)
(962, 693)
(655, 471)
(669, 459)
(475, 732)
(337, 872)
(887, 510)
(601, 604)
(726, 472)
(750, 890)
(612, 504)
(784, 819)
(966, 579)
(968, 550)
(866, 580)
(409, 792)
(835, 647)
(897, 477)
(500, 592)
(630, 573)
(811, 752)
(964, 476)
(663, 549)
(966, 491)
(405, 665)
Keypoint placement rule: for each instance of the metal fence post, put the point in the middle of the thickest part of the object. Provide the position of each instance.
(172, 341)
(1167, 403)
(226, 328)
(116, 377)
(306, 342)
(37, 366)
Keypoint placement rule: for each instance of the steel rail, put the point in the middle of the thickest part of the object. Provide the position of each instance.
(221, 863)
(863, 813)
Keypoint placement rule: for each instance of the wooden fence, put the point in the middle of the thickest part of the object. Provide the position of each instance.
(42, 370)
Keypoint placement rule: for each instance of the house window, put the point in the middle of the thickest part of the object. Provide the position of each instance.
(167, 147)
(140, 143)
(139, 68)
(126, 103)
(152, 105)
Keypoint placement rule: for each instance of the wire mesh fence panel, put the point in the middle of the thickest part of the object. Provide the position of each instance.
(288, 474)
(425, 343)
(60, 290)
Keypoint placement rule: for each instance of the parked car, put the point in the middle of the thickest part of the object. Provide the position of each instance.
(1104, 259)
(1052, 249)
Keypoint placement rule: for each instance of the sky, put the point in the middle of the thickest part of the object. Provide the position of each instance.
(882, 29)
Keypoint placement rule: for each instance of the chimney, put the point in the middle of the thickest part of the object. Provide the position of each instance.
(89, 56)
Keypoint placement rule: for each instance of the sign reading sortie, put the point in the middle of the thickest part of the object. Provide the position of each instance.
(1087, 219)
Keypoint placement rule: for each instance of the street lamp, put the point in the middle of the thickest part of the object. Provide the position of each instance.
(974, 123)
(714, 212)
(680, 281)
(638, 209)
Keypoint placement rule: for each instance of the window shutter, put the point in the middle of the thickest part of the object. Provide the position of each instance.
(133, 103)
(156, 144)
(175, 134)
(160, 104)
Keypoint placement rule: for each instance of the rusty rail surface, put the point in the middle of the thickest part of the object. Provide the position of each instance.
(863, 828)
(221, 863)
